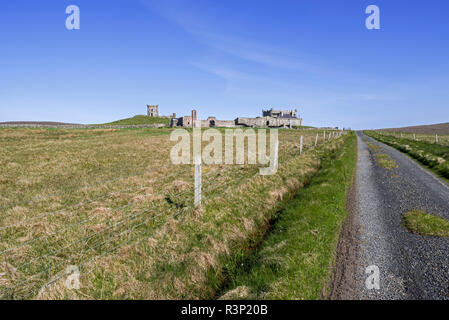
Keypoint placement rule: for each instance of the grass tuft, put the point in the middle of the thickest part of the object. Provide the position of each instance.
(385, 161)
(425, 224)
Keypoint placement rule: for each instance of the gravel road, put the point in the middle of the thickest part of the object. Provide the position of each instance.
(411, 266)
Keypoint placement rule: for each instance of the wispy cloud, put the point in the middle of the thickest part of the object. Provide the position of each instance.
(249, 50)
(254, 52)
(229, 74)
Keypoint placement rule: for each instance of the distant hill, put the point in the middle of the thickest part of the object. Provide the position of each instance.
(134, 121)
(138, 120)
(45, 123)
(440, 128)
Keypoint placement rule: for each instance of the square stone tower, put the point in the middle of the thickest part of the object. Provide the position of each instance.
(153, 111)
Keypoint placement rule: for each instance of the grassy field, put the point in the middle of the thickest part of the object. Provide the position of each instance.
(138, 120)
(111, 203)
(293, 260)
(434, 156)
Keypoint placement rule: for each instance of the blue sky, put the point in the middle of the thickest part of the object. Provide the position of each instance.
(227, 59)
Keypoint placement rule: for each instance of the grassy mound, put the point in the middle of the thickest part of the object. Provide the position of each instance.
(138, 120)
(425, 224)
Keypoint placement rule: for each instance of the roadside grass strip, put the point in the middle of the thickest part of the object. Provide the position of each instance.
(420, 222)
(295, 259)
(431, 155)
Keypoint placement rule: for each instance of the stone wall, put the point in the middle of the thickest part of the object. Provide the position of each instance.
(210, 123)
(225, 123)
(252, 122)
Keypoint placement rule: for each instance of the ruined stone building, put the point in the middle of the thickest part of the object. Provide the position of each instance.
(270, 118)
(279, 113)
(185, 121)
(153, 111)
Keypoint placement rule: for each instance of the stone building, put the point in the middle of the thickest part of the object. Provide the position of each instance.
(153, 111)
(279, 113)
(185, 121)
(270, 119)
(211, 122)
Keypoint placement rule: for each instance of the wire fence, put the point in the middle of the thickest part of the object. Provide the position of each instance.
(441, 139)
(32, 265)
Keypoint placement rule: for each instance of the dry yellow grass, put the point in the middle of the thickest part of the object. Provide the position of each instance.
(111, 203)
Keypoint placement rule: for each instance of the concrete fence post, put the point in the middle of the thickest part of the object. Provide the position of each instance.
(316, 140)
(414, 136)
(324, 136)
(300, 145)
(197, 196)
(276, 154)
(436, 138)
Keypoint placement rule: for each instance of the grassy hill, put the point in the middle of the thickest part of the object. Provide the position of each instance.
(138, 120)
(440, 128)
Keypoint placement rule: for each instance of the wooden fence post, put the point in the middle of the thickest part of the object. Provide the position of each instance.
(197, 197)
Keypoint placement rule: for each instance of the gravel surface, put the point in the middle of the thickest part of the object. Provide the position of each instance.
(411, 266)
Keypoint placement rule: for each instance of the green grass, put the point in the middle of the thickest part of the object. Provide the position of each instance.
(422, 223)
(293, 262)
(139, 120)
